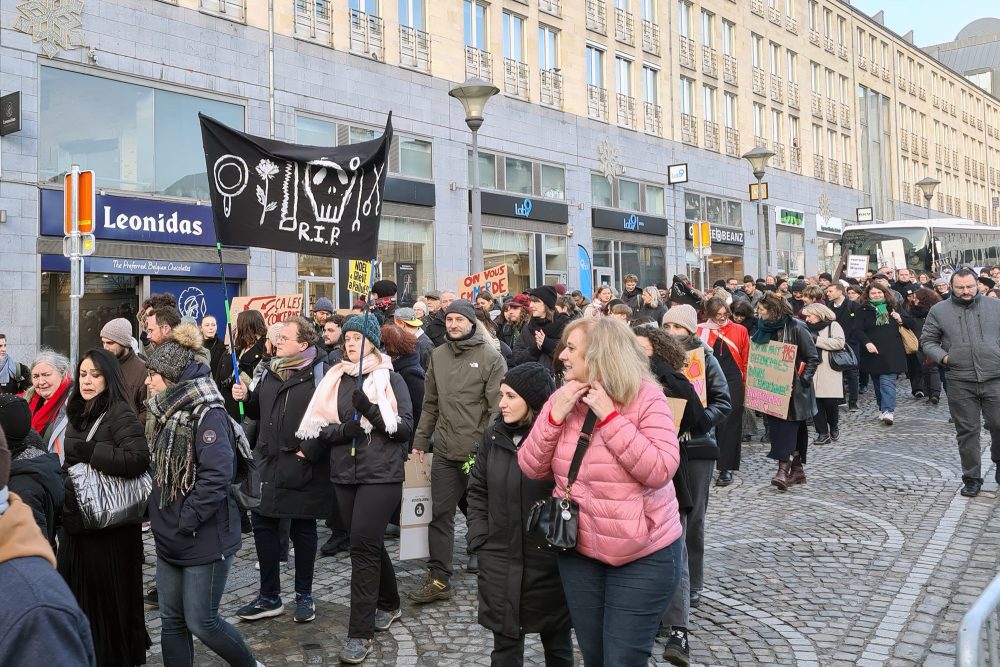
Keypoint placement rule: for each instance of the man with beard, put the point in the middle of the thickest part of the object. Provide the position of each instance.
(116, 337)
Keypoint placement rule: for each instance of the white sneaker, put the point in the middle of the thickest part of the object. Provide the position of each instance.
(887, 418)
(881, 416)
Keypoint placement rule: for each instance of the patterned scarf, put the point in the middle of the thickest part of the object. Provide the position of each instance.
(286, 367)
(178, 411)
(881, 312)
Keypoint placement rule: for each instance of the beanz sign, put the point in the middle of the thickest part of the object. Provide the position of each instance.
(493, 280)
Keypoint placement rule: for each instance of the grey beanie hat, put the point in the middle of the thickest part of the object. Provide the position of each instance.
(118, 330)
(464, 308)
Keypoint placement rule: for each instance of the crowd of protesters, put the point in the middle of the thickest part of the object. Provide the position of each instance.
(501, 391)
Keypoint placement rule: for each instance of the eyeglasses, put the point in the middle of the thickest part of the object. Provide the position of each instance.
(150, 374)
(285, 339)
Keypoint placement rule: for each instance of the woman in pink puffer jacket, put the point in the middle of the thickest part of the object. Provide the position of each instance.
(619, 580)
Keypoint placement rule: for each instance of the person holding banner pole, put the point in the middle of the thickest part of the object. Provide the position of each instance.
(789, 434)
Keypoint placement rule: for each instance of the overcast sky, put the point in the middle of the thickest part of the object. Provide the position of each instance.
(932, 21)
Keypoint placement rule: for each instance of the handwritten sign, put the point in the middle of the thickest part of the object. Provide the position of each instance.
(273, 308)
(857, 266)
(359, 276)
(769, 378)
(492, 280)
(415, 512)
(694, 371)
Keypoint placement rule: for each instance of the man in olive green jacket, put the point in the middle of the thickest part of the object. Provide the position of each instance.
(461, 396)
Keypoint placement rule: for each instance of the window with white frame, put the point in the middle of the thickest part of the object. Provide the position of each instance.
(684, 18)
(686, 96)
(708, 29)
(729, 110)
(650, 85)
(759, 124)
(728, 38)
(595, 66)
(548, 47)
(623, 76)
(513, 37)
(475, 25)
(708, 103)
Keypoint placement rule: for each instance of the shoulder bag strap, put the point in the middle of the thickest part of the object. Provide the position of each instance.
(581, 447)
(93, 429)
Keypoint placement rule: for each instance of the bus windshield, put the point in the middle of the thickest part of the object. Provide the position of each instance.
(881, 246)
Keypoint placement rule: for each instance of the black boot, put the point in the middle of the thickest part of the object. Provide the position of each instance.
(339, 541)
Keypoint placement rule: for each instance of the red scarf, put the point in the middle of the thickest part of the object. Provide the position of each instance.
(42, 416)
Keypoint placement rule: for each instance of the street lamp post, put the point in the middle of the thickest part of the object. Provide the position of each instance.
(927, 185)
(474, 94)
(758, 158)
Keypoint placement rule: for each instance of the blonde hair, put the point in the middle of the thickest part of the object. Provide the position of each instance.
(613, 356)
(820, 311)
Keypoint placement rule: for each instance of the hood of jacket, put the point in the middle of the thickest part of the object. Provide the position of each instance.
(473, 339)
(20, 536)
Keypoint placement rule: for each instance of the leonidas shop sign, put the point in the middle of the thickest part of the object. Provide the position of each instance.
(136, 219)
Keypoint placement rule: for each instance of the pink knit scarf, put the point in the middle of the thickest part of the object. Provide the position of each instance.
(323, 411)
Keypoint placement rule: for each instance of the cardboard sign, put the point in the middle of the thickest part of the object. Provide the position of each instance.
(857, 266)
(677, 406)
(415, 513)
(273, 308)
(769, 378)
(359, 274)
(493, 280)
(894, 254)
(694, 371)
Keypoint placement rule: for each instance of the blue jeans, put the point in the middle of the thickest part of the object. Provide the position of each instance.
(267, 540)
(189, 605)
(616, 611)
(885, 391)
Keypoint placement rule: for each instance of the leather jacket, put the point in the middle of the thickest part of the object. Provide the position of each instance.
(803, 402)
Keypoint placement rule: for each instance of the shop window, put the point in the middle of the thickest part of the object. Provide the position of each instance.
(647, 262)
(553, 182)
(105, 297)
(555, 254)
(315, 132)
(487, 170)
(628, 195)
(734, 214)
(654, 200)
(415, 158)
(603, 253)
(406, 250)
(143, 139)
(358, 135)
(791, 253)
(502, 246)
(600, 191)
(518, 176)
(713, 210)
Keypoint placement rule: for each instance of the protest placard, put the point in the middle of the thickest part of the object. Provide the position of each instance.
(769, 378)
(274, 308)
(492, 280)
(677, 406)
(359, 275)
(694, 371)
(415, 512)
(857, 266)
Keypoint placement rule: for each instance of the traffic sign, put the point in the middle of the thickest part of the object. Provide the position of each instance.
(701, 235)
(79, 244)
(85, 202)
(753, 191)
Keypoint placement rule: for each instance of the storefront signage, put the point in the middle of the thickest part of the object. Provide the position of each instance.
(528, 208)
(864, 214)
(721, 235)
(790, 218)
(641, 223)
(586, 275)
(677, 173)
(145, 267)
(405, 191)
(138, 220)
(829, 225)
(492, 280)
(10, 113)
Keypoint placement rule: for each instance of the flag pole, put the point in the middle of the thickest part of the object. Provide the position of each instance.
(229, 321)
(361, 359)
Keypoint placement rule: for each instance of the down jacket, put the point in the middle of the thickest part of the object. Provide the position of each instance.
(628, 508)
(519, 586)
(968, 335)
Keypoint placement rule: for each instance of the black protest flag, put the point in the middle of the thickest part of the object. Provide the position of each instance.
(306, 199)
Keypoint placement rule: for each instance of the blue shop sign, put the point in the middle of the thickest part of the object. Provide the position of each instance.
(528, 208)
(135, 219)
(146, 267)
(641, 223)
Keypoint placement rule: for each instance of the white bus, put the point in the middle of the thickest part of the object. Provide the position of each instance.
(933, 245)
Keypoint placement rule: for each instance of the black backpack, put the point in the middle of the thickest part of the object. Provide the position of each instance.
(246, 489)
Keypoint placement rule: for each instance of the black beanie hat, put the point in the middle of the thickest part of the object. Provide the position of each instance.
(384, 288)
(15, 417)
(532, 383)
(546, 294)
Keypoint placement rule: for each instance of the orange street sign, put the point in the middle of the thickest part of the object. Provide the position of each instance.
(85, 200)
(701, 235)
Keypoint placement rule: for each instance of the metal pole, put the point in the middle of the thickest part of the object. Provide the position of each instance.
(477, 206)
(75, 269)
(762, 232)
(928, 200)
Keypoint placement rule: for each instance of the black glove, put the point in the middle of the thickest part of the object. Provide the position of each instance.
(353, 429)
(144, 337)
(361, 401)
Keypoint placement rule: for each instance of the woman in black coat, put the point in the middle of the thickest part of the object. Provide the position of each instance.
(883, 356)
(540, 336)
(926, 379)
(103, 567)
(519, 586)
(789, 434)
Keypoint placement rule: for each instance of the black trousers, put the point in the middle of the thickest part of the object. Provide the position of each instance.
(366, 510)
(509, 652)
(827, 418)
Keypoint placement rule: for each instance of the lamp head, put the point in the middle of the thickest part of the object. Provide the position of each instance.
(474, 94)
(927, 186)
(758, 158)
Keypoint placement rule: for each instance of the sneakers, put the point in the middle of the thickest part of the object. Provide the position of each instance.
(887, 418)
(834, 434)
(694, 600)
(934, 400)
(355, 650)
(305, 610)
(919, 394)
(676, 651)
(152, 598)
(971, 488)
(431, 590)
(383, 619)
(852, 407)
(822, 440)
(262, 607)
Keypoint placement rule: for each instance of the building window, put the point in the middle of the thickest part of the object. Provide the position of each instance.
(775, 51)
(650, 85)
(759, 124)
(708, 29)
(756, 50)
(411, 13)
(708, 103)
(513, 37)
(728, 38)
(548, 48)
(600, 191)
(553, 182)
(729, 110)
(654, 200)
(684, 18)
(415, 158)
(628, 195)
(475, 25)
(518, 176)
(143, 140)
(686, 99)
(595, 66)
(623, 76)
(487, 170)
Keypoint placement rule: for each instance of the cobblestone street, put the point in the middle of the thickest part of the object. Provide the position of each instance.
(873, 562)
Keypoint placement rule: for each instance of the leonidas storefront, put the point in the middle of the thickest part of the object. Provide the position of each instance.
(144, 246)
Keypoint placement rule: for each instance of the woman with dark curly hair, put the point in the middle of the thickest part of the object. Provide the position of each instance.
(926, 379)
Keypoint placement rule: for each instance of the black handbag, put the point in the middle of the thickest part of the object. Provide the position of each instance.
(843, 360)
(554, 521)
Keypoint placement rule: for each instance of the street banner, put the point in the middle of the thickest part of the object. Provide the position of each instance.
(492, 280)
(359, 276)
(415, 513)
(769, 378)
(677, 406)
(857, 266)
(305, 199)
(694, 371)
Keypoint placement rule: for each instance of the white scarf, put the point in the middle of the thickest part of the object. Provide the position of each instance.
(323, 410)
